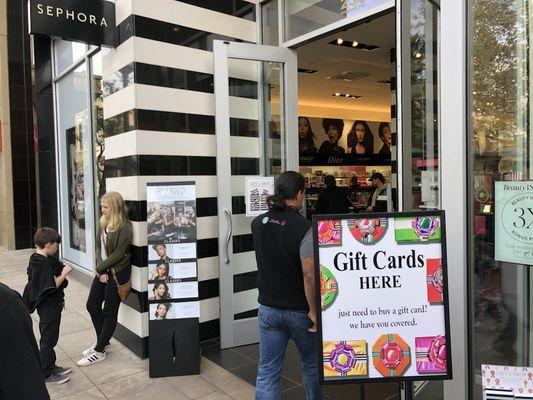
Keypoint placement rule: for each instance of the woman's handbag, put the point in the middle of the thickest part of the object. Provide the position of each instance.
(124, 290)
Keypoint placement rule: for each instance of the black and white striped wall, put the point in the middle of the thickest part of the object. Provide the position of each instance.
(160, 125)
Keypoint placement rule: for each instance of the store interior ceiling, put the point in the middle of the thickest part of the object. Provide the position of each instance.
(348, 70)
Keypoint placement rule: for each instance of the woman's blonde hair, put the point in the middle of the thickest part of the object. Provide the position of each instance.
(119, 212)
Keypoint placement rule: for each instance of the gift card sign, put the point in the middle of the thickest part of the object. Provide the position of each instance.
(382, 286)
(501, 381)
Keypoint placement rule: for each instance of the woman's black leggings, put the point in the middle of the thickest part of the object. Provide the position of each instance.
(105, 319)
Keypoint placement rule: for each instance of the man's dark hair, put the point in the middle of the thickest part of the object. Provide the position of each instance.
(330, 181)
(287, 187)
(43, 236)
(378, 175)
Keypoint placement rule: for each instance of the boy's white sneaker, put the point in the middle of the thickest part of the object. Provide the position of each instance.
(92, 357)
(87, 351)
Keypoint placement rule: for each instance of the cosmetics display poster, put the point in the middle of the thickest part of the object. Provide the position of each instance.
(172, 275)
(513, 220)
(382, 287)
(258, 189)
(506, 382)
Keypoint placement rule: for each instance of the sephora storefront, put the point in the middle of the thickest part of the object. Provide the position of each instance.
(453, 88)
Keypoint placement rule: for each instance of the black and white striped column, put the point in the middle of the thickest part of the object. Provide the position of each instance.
(160, 125)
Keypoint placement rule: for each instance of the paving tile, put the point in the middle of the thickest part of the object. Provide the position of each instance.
(193, 386)
(91, 394)
(75, 343)
(298, 393)
(250, 351)
(222, 379)
(73, 322)
(249, 374)
(78, 383)
(227, 359)
(217, 396)
(118, 364)
(140, 386)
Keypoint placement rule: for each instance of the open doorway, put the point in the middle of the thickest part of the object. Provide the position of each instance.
(346, 106)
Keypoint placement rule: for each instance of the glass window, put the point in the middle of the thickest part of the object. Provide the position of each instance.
(75, 165)
(501, 148)
(269, 14)
(304, 16)
(67, 53)
(421, 107)
(99, 143)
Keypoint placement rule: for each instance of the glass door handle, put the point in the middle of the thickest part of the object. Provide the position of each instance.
(230, 233)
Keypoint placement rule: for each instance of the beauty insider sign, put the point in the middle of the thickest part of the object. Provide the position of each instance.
(382, 286)
(87, 21)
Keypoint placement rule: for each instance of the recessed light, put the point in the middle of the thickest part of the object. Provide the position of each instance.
(346, 95)
(340, 41)
(418, 55)
(328, 77)
(355, 44)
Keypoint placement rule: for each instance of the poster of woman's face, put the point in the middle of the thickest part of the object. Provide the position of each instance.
(352, 136)
(173, 251)
(161, 311)
(160, 290)
(170, 271)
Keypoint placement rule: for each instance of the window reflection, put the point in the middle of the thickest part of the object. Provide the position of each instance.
(501, 151)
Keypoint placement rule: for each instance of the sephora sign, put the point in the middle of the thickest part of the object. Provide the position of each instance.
(87, 21)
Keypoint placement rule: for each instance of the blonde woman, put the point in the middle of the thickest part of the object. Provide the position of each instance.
(112, 253)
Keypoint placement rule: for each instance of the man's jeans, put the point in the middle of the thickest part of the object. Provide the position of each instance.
(276, 327)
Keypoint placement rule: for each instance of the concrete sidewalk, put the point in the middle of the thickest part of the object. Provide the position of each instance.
(122, 375)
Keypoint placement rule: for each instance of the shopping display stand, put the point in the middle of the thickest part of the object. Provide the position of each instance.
(382, 296)
(174, 310)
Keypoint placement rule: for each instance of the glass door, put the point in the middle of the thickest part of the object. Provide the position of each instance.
(256, 131)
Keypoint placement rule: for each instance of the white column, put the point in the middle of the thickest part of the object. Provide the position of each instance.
(453, 36)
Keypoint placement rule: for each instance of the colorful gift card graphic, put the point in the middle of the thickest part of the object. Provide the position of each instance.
(431, 354)
(368, 230)
(329, 233)
(391, 355)
(425, 229)
(328, 287)
(345, 358)
(435, 280)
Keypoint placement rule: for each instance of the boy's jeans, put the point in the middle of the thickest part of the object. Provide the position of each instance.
(49, 321)
(276, 326)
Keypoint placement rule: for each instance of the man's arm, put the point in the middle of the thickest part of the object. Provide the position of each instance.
(308, 268)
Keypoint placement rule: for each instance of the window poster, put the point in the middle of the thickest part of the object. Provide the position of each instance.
(382, 283)
(258, 189)
(506, 382)
(513, 222)
(172, 257)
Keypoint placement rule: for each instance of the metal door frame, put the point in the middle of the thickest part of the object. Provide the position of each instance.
(235, 333)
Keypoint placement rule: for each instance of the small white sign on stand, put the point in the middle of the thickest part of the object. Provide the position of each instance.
(257, 191)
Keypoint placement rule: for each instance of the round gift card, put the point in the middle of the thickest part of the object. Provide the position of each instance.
(328, 287)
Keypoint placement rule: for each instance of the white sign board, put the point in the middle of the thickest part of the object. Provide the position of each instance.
(506, 382)
(513, 222)
(258, 189)
(383, 297)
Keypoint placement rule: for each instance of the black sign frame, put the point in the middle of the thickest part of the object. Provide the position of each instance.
(444, 260)
(88, 21)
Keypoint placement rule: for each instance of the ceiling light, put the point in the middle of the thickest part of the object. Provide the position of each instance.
(328, 77)
(418, 55)
(346, 95)
(340, 41)
(337, 94)
(355, 44)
